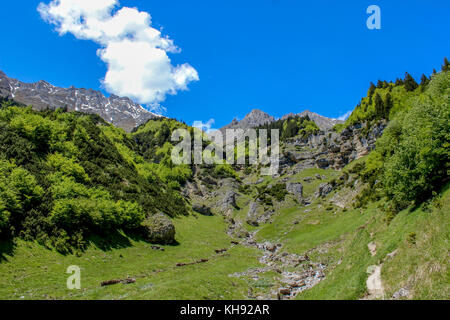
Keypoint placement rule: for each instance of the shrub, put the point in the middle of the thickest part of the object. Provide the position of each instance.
(225, 171)
(419, 162)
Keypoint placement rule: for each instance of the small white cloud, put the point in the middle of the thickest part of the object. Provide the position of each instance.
(345, 115)
(206, 127)
(134, 52)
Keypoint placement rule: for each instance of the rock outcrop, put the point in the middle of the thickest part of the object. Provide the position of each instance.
(296, 189)
(229, 201)
(329, 149)
(323, 190)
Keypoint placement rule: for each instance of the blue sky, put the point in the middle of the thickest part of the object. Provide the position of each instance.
(280, 56)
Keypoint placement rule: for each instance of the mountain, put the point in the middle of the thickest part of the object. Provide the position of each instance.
(255, 118)
(322, 122)
(258, 118)
(121, 112)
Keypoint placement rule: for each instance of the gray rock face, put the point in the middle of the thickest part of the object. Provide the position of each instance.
(121, 112)
(296, 189)
(159, 229)
(229, 201)
(329, 149)
(252, 214)
(257, 215)
(323, 190)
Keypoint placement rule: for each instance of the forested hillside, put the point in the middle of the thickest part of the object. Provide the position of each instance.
(65, 176)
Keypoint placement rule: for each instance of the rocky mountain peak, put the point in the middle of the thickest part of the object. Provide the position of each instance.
(255, 118)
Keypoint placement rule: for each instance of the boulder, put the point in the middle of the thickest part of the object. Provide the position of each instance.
(158, 228)
(323, 163)
(323, 190)
(402, 293)
(202, 209)
(296, 189)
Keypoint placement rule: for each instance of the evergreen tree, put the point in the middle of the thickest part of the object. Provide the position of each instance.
(371, 90)
(388, 104)
(379, 106)
(446, 65)
(424, 82)
(399, 82)
(379, 84)
(410, 83)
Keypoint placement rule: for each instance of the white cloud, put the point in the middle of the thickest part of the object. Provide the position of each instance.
(134, 52)
(206, 127)
(345, 115)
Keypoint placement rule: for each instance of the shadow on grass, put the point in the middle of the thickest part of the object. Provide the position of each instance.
(6, 249)
(119, 240)
(109, 242)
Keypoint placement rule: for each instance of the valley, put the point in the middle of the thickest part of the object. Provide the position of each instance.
(358, 210)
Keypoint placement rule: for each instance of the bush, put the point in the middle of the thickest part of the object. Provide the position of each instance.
(418, 163)
(19, 192)
(64, 177)
(225, 171)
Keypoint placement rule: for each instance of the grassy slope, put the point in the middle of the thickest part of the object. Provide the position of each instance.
(325, 232)
(339, 238)
(420, 267)
(34, 272)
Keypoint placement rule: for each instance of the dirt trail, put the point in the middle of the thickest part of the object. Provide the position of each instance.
(374, 283)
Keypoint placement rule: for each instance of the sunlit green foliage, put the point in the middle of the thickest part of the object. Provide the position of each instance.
(65, 176)
(411, 159)
(292, 127)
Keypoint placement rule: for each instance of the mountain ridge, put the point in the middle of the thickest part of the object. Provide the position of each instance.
(119, 111)
(258, 118)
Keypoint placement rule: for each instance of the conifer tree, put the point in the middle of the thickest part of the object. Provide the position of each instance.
(388, 104)
(379, 106)
(399, 82)
(424, 82)
(446, 65)
(410, 83)
(379, 84)
(371, 90)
